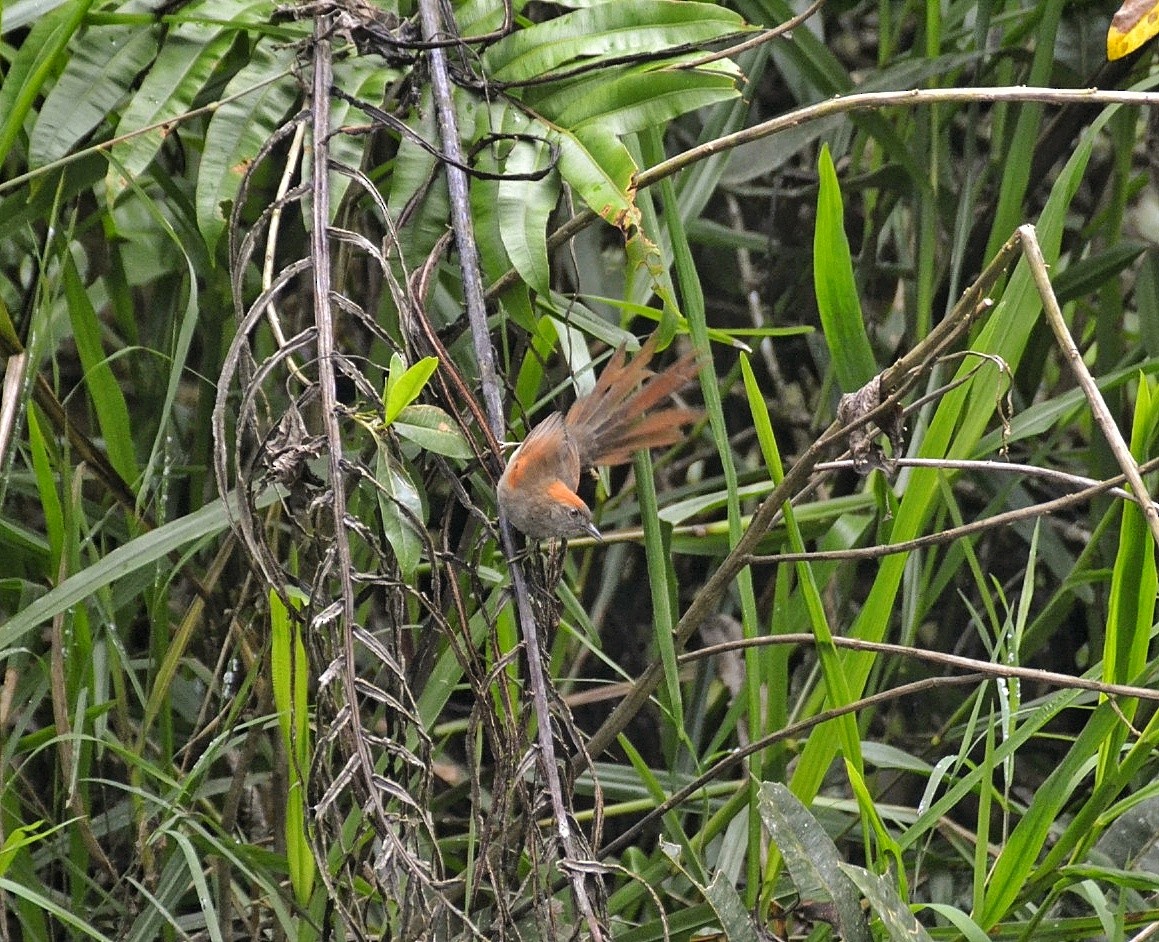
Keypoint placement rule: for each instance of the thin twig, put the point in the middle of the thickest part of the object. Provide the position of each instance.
(1090, 491)
(973, 304)
(1103, 418)
(791, 731)
(988, 668)
(461, 221)
(863, 101)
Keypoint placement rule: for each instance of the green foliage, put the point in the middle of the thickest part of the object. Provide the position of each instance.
(263, 674)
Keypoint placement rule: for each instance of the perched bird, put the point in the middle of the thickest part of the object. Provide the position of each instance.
(537, 491)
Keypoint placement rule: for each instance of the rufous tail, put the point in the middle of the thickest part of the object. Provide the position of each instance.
(612, 422)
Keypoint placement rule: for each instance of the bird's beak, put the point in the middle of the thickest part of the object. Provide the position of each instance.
(591, 528)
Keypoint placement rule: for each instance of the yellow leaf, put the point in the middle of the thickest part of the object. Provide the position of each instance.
(1134, 23)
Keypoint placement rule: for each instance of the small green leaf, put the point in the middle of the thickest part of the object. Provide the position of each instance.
(20, 837)
(104, 391)
(431, 428)
(404, 386)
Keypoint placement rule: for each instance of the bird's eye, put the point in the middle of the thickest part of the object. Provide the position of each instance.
(575, 513)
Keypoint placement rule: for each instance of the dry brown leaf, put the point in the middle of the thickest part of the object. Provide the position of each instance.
(1135, 22)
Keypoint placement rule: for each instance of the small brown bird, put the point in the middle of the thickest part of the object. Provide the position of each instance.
(537, 491)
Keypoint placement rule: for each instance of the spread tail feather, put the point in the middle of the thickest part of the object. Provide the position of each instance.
(611, 423)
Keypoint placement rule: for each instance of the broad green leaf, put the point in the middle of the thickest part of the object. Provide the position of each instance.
(191, 51)
(600, 169)
(431, 428)
(19, 13)
(735, 919)
(397, 491)
(476, 17)
(364, 77)
(619, 29)
(837, 300)
(238, 130)
(883, 898)
(105, 62)
(418, 191)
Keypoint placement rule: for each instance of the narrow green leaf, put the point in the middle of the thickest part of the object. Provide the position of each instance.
(811, 857)
(104, 392)
(662, 582)
(48, 905)
(1134, 581)
(197, 876)
(46, 488)
(1014, 160)
(289, 674)
(837, 300)
(954, 431)
(1091, 273)
(132, 557)
(643, 26)
(1022, 849)
(970, 930)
